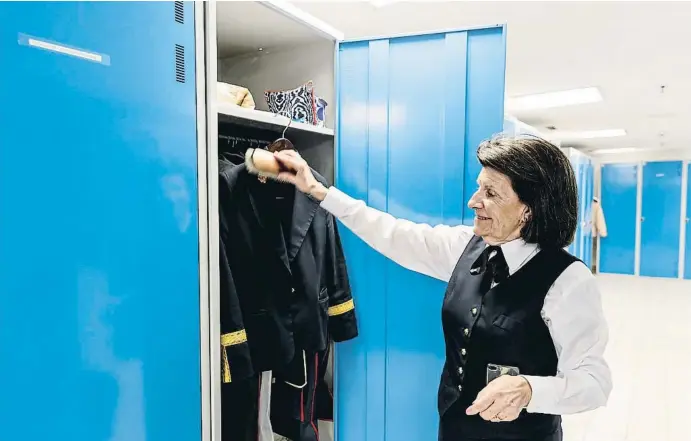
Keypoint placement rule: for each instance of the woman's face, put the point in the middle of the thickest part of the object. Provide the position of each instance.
(499, 214)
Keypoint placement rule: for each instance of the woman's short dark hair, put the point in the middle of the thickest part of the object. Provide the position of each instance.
(542, 177)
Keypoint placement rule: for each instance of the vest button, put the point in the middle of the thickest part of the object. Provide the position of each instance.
(460, 388)
(463, 352)
(466, 332)
(292, 289)
(460, 371)
(473, 311)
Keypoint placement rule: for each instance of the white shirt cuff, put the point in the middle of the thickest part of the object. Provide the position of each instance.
(543, 394)
(336, 202)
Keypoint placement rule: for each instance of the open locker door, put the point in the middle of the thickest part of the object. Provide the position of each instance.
(99, 254)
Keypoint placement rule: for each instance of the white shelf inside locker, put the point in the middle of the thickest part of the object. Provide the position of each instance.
(261, 119)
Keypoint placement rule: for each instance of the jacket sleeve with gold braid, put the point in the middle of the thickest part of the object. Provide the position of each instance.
(342, 320)
(235, 353)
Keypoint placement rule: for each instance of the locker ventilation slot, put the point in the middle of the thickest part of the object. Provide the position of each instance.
(179, 63)
(179, 12)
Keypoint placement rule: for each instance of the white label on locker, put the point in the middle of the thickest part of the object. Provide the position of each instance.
(659, 175)
(40, 43)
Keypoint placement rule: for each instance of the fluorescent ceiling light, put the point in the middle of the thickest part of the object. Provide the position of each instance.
(620, 150)
(554, 99)
(308, 19)
(588, 134)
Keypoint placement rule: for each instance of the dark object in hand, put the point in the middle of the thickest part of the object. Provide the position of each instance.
(495, 371)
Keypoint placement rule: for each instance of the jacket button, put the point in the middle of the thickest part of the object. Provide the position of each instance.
(473, 311)
(460, 388)
(292, 289)
(466, 332)
(460, 371)
(463, 352)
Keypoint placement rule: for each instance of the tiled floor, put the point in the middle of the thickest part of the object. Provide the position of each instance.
(650, 356)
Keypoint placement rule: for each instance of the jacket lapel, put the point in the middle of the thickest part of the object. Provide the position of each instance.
(270, 228)
(304, 210)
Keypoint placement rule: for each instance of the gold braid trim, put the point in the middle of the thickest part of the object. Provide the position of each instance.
(226, 368)
(342, 308)
(230, 339)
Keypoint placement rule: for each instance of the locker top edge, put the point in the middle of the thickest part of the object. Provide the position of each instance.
(423, 33)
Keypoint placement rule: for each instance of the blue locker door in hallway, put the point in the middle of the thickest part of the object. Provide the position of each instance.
(582, 191)
(416, 160)
(687, 222)
(587, 219)
(99, 245)
(660, 215)
(573, 246)
(619, 184)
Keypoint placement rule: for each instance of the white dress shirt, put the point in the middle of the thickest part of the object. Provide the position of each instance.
(572, 310)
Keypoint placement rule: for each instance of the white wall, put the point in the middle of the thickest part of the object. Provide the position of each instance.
(644, 155)
(284, 69)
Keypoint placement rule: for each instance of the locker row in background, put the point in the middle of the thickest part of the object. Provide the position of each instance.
(648, 206)
(583, 167)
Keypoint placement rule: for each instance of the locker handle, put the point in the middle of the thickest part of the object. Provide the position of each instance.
(642, 219)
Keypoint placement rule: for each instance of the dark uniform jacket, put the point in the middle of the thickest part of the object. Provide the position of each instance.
(284, 282)
(502, 326)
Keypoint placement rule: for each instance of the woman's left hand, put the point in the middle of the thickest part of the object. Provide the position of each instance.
(502, 399)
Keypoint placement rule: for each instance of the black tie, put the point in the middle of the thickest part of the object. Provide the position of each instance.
(491, 264)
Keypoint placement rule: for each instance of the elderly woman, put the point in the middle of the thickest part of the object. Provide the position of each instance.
(522, 318)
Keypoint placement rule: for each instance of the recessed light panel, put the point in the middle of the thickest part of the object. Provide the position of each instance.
(614, 151)
(587, 134)
(554, 99)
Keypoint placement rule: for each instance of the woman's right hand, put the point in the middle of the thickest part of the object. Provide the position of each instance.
(299, 174)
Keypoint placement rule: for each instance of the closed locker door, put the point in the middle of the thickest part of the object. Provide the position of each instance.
(587, 209)
(416, 162)
(660, 215)
(575, 247)
(619, 184)
(582, 195)
(687, 222)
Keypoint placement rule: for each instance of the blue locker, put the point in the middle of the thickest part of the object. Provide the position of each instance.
(415, 159)
(687, 252)
(99, 262)
(588, 202)
(619, 184)
(580, 229)
(660, 215)
(581, 164)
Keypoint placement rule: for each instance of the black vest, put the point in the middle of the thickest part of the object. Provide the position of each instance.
(504, 326)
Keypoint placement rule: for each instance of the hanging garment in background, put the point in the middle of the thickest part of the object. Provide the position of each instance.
(289, 274)
(234, 348)
(245, 409)
(297, 409)
(266, 433)
(284, 267)
(599, 225)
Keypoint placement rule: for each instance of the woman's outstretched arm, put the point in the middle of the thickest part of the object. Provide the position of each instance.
(422, 248)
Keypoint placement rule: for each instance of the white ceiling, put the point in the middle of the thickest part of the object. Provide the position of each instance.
(626, 49)
(245, 26)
